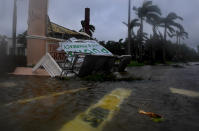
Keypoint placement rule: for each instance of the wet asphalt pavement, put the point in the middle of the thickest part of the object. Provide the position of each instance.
(45, 104)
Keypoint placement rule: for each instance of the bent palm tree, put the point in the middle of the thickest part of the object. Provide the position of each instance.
(154, 22)
(169, 23)
(182, 34)
(134, 23)
(91, 28)
(147, 11)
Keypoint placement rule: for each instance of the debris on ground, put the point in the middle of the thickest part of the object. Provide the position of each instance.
(155, 117)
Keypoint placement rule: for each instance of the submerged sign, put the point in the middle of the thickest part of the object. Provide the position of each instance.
(84, 46)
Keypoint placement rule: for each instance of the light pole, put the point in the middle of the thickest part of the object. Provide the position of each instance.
(129, 30)
(14, 27)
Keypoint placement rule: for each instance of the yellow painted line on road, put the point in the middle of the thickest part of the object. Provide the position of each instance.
(96, 116)
(24, 101)
(185, 92)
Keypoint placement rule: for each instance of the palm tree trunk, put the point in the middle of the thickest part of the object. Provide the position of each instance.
(177, 51)
(164, 44)
(152, 54)
(141, 39)
(141, 28)
(165, 33)
(176, 39)
(154, 31)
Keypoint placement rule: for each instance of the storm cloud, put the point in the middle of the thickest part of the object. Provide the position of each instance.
(106, 16)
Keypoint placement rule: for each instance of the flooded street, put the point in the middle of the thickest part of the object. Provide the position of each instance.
(30, 103)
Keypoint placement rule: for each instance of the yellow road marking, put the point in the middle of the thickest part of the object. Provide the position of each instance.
(46, 96)
(96, 116)
(185, 92)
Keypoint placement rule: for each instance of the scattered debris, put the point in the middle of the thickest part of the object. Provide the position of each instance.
(49, 64)
(155, 117)
(83, 58)
(151, 114)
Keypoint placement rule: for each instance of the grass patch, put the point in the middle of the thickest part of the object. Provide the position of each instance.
(169, 63)
(135, 63)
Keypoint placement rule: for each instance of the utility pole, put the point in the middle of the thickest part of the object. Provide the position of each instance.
(129, 30)
(14, 27)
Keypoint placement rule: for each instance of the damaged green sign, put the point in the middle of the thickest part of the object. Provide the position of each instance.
(84, 46)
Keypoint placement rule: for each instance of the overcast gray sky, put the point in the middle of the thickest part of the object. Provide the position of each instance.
(106, 16)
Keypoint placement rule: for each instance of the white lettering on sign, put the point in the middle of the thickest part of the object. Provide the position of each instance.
(84, 46)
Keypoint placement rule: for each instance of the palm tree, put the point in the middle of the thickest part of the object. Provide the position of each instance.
(146, 11)
(134, 23)
(91, 28)
(155, 23)
(169, 23)
(181, 35)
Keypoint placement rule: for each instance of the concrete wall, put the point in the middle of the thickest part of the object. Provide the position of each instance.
(37, 24)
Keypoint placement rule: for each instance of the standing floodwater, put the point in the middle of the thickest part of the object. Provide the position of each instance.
(30, 103)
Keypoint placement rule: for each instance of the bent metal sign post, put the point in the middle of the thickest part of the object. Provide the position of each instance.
(84, 46)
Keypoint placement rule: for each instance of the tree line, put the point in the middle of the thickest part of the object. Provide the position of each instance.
(155, 47)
